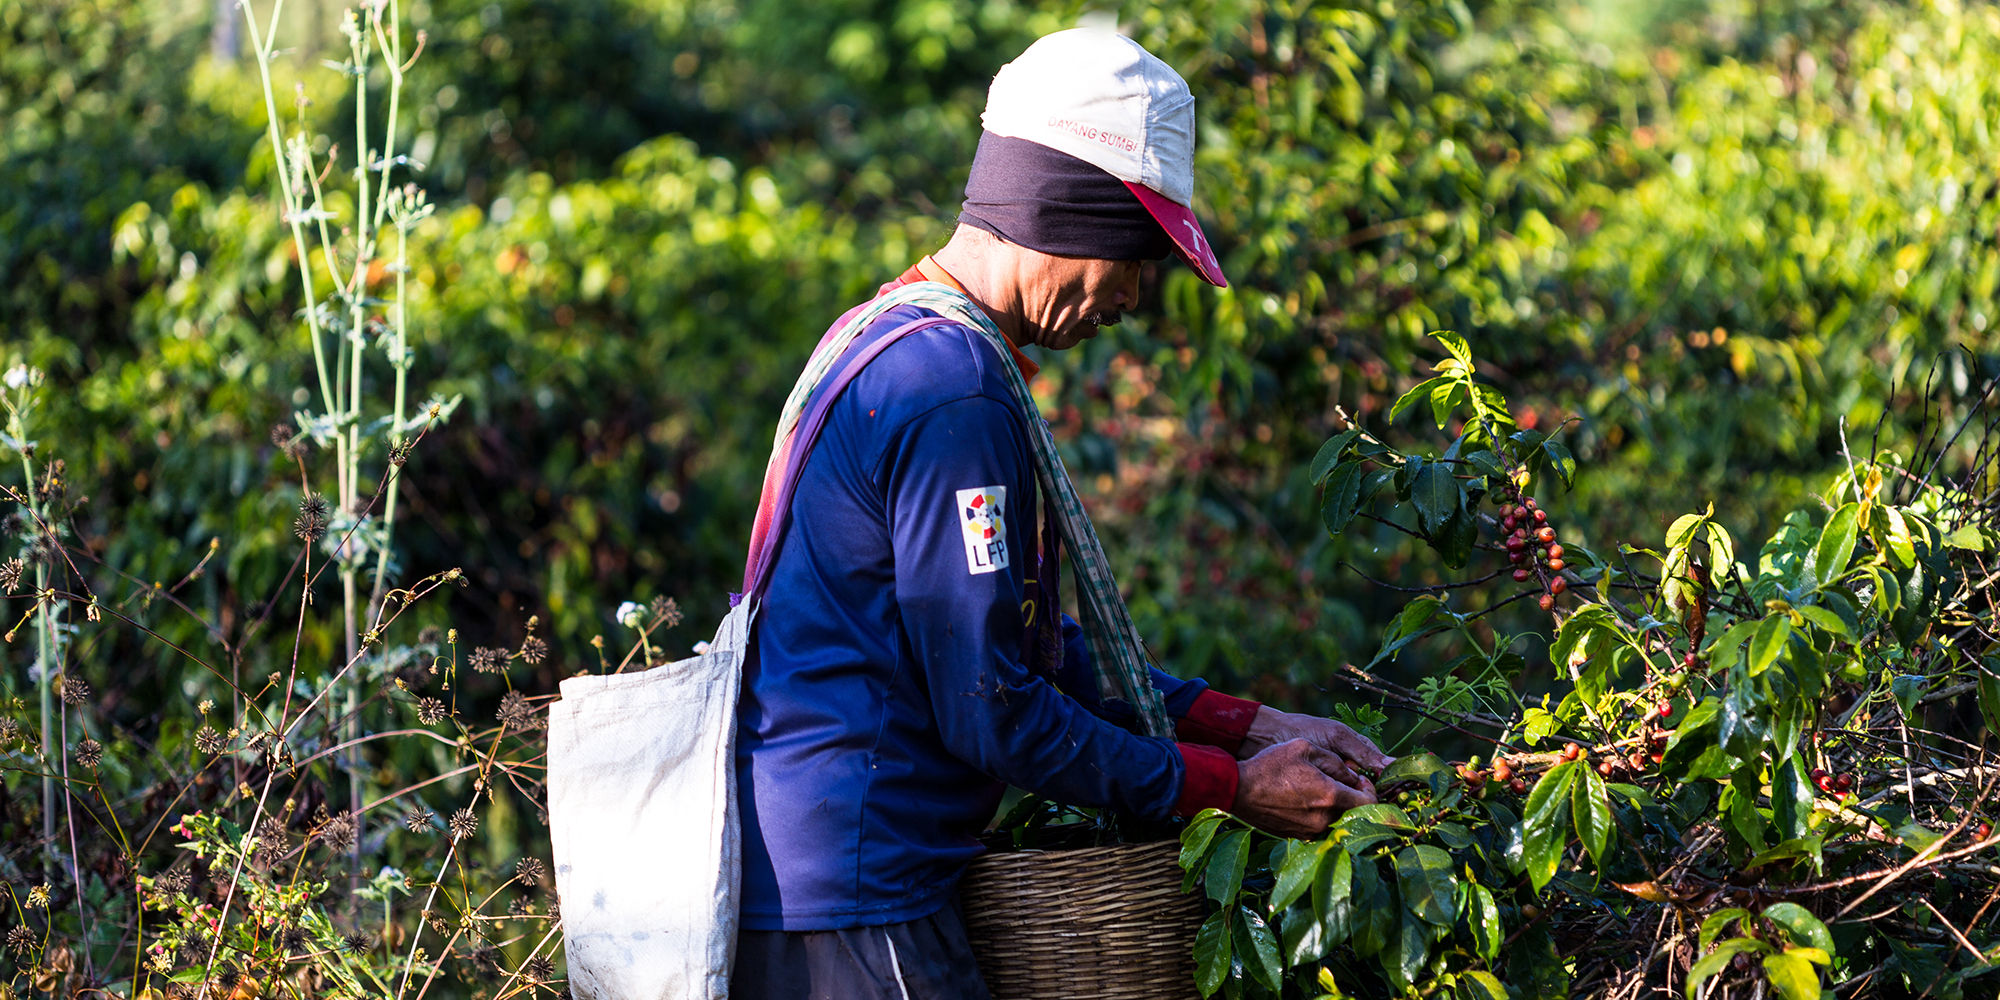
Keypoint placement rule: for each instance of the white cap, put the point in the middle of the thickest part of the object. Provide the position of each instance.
(1102, 98)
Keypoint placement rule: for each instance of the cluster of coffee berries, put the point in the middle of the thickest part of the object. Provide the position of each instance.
(1502, 776)
(1531, 544)
(1832, 784)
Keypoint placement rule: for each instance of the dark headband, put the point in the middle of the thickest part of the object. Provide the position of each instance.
(1033, 196)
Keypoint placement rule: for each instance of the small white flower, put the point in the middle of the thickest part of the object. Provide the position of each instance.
(630, 614)
(21, 375)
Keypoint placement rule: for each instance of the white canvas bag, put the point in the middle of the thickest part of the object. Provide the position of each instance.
(642, 814)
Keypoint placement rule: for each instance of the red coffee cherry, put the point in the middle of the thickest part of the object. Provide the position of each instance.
(1545, 534)
(1555, 551)
(1557, 586)
(1556, 565)
(1522, 576)
(1508, 523)
(1540, 516)
(1547, 602)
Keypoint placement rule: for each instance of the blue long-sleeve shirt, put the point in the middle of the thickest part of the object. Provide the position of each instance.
(885, 707)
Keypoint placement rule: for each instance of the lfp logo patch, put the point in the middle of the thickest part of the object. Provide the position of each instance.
(982, 519)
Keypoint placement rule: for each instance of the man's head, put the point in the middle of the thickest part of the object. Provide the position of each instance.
(1085, 170)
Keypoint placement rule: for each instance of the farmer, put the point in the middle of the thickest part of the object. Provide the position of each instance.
(904, 670)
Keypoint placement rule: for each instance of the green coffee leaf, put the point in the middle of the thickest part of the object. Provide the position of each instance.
(1899, 543)
(1591, 806)
(1301, 939)
(1561, 462)
(1795, 977)
(1211, 953)
(1342, 498)
(1258, 948)
(1436, 494)
(1836, 544)
(1330, 889)
(1545, 833)
(1429, 888)
(1479, 985)
(1225, 867)
(1791, 800)
(1714, 961)
(1295, 876)
(1330, 452)
(1712, 927)
(1824, 619)
(1417, 394)
(1483, 915)
(1804, 928)
(1198, 835)
(1769, 642)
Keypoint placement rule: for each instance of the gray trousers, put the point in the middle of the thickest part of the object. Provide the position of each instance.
(924, 959)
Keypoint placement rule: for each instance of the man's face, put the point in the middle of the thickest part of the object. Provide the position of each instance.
(1073, 296)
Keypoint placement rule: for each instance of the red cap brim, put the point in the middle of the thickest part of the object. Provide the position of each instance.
(1185, 230)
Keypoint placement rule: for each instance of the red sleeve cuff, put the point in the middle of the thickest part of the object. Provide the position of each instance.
(1208, 781)
(1217, 720)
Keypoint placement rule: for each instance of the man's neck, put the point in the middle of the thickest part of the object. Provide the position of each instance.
(992, 281)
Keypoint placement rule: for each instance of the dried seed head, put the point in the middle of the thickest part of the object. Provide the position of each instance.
(430, 711)
(173, 880)
(208, 741)
(89, 753)
(488, 660)
(534, 650)
(520, 908)
(20, 939)
(666, 611)
(9, 731)
(75, 690)
(515, 712)
(539, 969)
(338, 833)
(311, 523)
(419, 820)
(294, 940)
(528, 870)
(355, 941)
(464, 823)
(400, 454)
(10, 574)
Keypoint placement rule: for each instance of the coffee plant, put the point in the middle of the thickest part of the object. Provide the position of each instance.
(1761, 775)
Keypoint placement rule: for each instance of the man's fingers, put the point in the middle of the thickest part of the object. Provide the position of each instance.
(1346, 796)
(1330, 763)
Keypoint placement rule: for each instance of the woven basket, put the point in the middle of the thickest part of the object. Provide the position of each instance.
(1104, 923)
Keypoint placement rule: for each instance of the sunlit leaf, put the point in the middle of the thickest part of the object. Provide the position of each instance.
(1794, 976)
(1836, 544)
(1591, 807)
(1544, 830)
(1805, 928)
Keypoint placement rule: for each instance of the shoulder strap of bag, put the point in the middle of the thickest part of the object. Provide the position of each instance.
(1117, 651)
(764, 555)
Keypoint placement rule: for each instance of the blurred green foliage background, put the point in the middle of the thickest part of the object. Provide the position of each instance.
(1706, 235)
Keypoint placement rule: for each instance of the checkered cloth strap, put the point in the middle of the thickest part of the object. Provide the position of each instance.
(1115, 647)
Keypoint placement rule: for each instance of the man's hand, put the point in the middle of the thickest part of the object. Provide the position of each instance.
(1272, 727)
(1297, 789)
